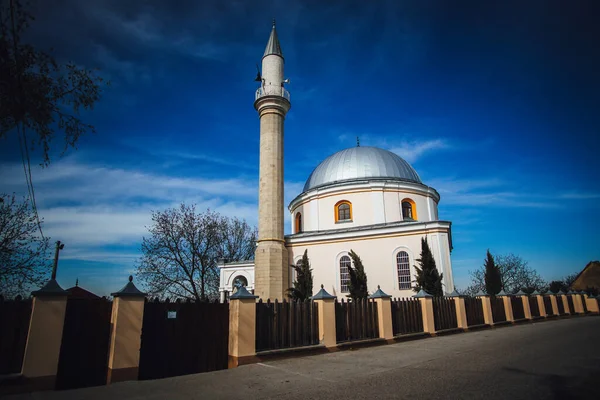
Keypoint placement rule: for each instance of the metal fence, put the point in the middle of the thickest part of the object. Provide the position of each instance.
(444, 313)
(356, 320)
(518, 310)
(498, 312)
(561, 305)
(548, 306)
(281, 325)
(570, 303)
(14, 327)
(534, 307)
(474, 310)
(407, 316)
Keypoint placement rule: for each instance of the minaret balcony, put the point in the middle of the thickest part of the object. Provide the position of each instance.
(272, 91)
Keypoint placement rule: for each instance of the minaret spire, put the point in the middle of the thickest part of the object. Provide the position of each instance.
(273, 46)
(272, 101)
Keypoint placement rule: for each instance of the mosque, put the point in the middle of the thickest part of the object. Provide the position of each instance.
(364, 199)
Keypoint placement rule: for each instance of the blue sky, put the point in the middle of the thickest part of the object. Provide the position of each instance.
(495, 104)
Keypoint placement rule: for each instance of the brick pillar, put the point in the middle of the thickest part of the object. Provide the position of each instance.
(427, 311)
(384, 313)
(554, 302)
(563, 298)
(461, 311)
(592, 304)
(126, 334)
(326, 306)
(526, 307)
(42, 351)
(508, 308)
(487, 309)
(540, 300)
(577, 303)
(242, 328)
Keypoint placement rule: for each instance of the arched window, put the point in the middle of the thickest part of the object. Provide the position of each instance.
(343, 211)
(298, 223)
(409, 210)
(344, 274)
(238, 282)
(403, 266)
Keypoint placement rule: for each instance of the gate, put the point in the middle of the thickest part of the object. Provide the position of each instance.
(444, 313)
(534, 306)
(183, 338)
(406, 316)
(83, 359)
(498, 312)
(517, 308)
(286, 324)
(356, 320)
(14, 316)
(474, 310)
(548, 306)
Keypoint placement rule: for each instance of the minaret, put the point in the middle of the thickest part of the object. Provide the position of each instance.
(272, 103)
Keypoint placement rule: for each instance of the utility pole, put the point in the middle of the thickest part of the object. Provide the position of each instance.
(59, 246)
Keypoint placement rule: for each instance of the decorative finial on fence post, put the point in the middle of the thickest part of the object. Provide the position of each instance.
(130, 278)
(322, 287)
(378, 287)
(357, 142)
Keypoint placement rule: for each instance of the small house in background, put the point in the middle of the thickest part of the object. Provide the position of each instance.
(589, 277)
(77, 292)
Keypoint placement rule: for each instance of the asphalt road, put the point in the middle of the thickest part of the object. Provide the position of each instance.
(557, 359)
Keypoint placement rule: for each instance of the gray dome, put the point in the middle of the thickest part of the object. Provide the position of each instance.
(361, 163)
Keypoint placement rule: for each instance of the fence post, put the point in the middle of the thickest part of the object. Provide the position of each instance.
(126, 334)
(488, 317)
(578, 307)
(565, 302)
(591, 303)
(326, 309)
(426, 310)
(384, 313)
(242, 328)
(554, 302)
(507, 306)
(42, 351)
(541, 306)
(525, 301)
(461, 310)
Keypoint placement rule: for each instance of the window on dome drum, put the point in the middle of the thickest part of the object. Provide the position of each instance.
(409, 210)
(344, 274)
(343, 211)
(403, 266)
(298, 223)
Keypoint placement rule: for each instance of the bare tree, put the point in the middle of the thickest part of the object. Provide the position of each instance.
(180, 255)
(24, 261)
(515, 275)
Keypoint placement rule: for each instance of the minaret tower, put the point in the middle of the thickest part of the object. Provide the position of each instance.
(271, 272)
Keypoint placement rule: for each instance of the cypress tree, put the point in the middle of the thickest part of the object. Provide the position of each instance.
(493, 280)
(427, 277)
(358, 278)
(303, 285)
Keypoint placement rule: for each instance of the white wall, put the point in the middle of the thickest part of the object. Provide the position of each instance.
(379, 258)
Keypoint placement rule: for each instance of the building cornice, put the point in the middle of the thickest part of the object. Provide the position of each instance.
(369, 232)
(364, 185)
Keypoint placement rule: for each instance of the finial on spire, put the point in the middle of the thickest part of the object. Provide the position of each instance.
(357, 142)
(77, 282)
(273, 23)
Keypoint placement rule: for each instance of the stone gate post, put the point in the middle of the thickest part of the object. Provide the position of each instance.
(384, 313)
(326, 308)
(242, 328)
(427, 311)
(42, 351)
(126, 334)
(461, 311)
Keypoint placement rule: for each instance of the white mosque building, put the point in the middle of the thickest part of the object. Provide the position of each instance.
(364, 199)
